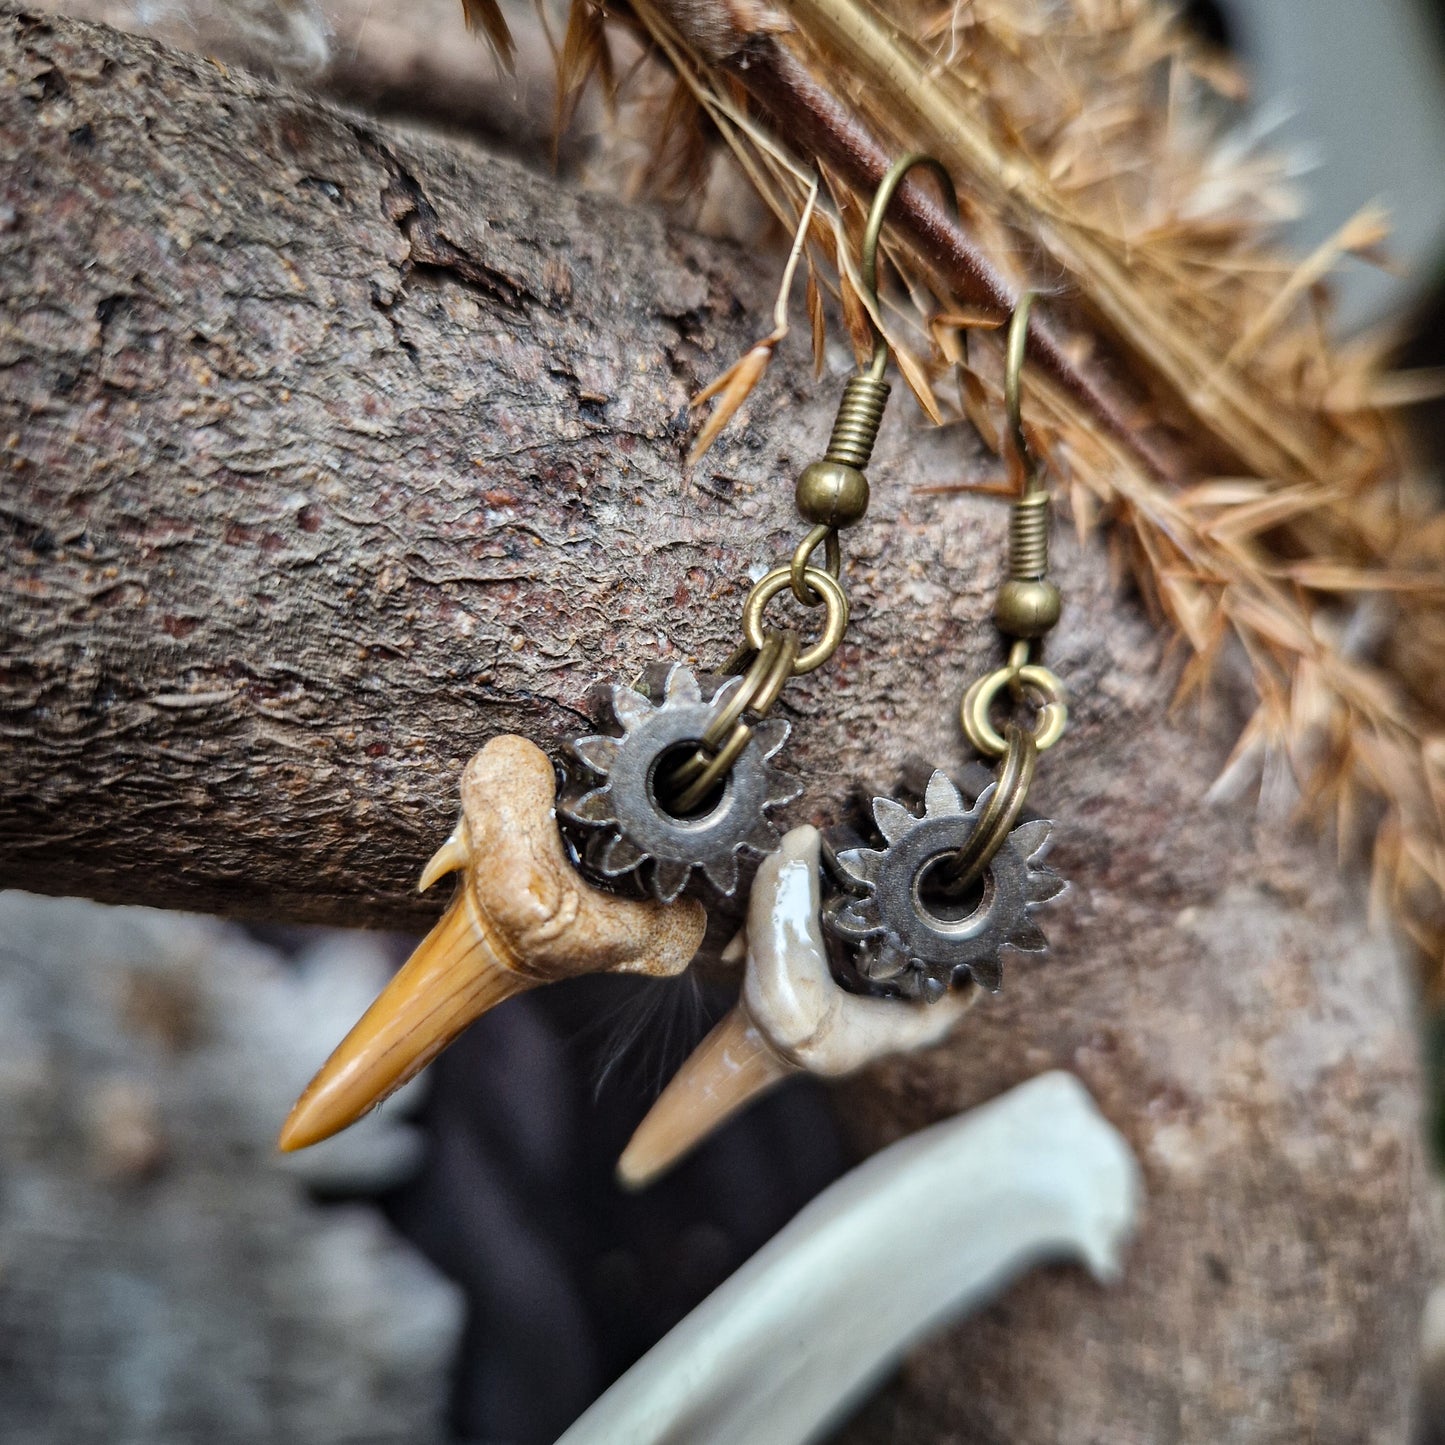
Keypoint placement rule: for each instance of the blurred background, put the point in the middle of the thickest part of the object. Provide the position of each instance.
(461, 1267)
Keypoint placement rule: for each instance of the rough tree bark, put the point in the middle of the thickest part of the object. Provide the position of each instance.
(411, 61)
(329, 456)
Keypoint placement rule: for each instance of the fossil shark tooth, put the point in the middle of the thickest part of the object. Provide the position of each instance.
(522, 916)
(792, 1016)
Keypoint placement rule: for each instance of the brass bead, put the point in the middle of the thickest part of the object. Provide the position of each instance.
(832, 494)
(1027, 607)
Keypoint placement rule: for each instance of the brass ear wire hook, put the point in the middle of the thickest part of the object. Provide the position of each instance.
(1018, 341)
(833, 493)
(1027, 608)
(873, 232)
(1028, 604)
(830, 494)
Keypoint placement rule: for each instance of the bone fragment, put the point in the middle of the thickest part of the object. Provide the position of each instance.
(915, 1237)
(791, 1016)
(522, 916)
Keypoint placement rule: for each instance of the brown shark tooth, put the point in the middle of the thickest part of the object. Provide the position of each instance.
(523, 916)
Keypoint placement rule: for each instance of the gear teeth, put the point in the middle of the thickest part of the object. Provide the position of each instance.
(783, 788)
(769, 737)
(669, 879)
(860, 864)
(1029, 938)
(723, 875)
(940, 799)
(893, 819)
(620, 856)
(598, 752)
(930, 988)
(939, 946)
(1032, 838)
(657, 725)
(1045, 884)
(629, 706)
(681, 686)
(594, 808)
(988, 974)
(596, 850)
(855, 921)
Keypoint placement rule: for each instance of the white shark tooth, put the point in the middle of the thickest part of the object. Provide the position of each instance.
(917, 1236)
(791, 1017)
(523, 916)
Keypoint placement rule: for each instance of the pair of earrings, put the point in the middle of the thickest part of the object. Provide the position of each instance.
(848, 955)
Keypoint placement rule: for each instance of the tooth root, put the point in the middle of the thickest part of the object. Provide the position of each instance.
(732, 1066)
(862, 1030)
(452, 979)
(452, 855)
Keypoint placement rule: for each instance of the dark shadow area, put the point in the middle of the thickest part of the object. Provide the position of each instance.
(568, 1278)
(1211, 20)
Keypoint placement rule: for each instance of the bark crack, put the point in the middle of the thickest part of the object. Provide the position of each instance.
(405, 203)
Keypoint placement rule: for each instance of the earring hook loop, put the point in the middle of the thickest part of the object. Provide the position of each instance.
(1018, 340)
(873, 230)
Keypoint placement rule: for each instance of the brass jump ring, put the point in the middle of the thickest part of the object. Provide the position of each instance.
(770, 689)
(1015, 778)
(835, 625)
(1053, 713)
(768, 671)
(715, 770)
(761, 684)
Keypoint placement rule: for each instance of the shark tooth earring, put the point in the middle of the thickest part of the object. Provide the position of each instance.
(925, 918)
(523, 916)
(681, 787)
(792, 1016)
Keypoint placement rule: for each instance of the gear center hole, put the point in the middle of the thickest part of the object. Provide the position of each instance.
(945, 906)
(665, 796)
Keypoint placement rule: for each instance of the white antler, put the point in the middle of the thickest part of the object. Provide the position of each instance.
(919, 1234)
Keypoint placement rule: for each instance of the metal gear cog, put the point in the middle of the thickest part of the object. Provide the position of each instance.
(635, 824)
(922, 945)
